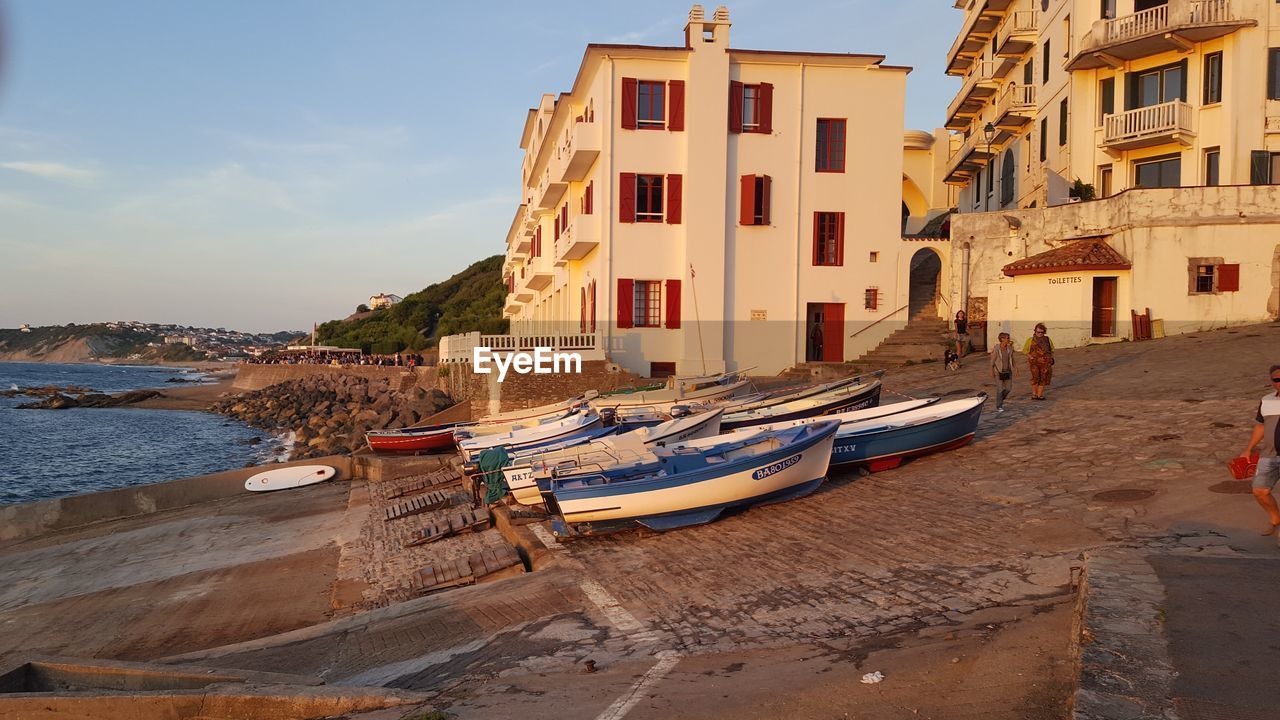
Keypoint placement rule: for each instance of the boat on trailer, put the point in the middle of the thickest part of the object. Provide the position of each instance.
(836, 400)
(692, 485)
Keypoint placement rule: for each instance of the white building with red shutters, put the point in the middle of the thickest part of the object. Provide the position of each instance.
(700, 207)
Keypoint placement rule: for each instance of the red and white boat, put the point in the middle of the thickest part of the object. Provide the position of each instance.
(433, 438)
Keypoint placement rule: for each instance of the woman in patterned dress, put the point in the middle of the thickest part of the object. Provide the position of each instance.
(1039, 350)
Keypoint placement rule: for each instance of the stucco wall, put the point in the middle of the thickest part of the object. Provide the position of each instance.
(1158, 230)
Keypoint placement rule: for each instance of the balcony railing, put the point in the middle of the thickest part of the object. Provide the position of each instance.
(1016, 99)
(971, 155)
(1143, 127)
(1018, 33)
(579, 150)
(461, 348)
(578, 239)
(979, 85)
(1175, 26)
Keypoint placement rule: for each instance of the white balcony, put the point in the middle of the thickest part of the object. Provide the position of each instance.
(524, 240)
(511, 306)
(978, 87)
(979, 25)
(581, 237)
(1017, 107)
(1018, 34)
(580, 150)
(550, 190)
(972, 155)
(1175, 27)
(539, 273)
(1144, 127)
(460, 348)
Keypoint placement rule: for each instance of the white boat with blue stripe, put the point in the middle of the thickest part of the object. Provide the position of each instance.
(692, 485)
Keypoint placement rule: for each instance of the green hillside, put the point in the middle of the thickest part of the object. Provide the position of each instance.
(470, 300)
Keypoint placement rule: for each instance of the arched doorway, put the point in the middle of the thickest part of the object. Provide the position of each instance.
(926, 269)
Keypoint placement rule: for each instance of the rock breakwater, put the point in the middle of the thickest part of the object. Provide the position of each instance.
(330, 414)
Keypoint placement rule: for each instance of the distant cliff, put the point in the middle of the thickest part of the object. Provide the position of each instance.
(470, 300)
(88, 343)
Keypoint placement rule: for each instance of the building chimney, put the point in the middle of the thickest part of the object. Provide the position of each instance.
(701, 32)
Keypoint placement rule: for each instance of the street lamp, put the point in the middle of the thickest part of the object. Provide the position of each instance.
(989, 132)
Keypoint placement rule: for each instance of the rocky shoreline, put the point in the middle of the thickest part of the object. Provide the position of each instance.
(330, 414)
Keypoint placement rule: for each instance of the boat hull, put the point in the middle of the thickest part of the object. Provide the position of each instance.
(527, 485)
(436, 440)
(666, 502)
(887, 449)
(856, 401)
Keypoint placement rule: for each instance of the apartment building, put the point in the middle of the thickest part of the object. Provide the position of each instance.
(1161, 119)
(699, 207)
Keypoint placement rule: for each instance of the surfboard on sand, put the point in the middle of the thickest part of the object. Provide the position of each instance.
(289, 477)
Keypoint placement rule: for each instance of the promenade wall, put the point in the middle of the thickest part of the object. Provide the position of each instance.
(256, 377)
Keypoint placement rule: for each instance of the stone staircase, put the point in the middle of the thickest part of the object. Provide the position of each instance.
(925, 337)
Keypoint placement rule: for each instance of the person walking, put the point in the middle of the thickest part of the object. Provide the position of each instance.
(962, 333)
(1002, 369)
(1266, 438)
(1039, 352)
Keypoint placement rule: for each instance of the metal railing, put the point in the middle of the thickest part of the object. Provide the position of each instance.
(982, 71)
(1016, 97)
(1164, 17)
(1175, 116)
(1022, 21)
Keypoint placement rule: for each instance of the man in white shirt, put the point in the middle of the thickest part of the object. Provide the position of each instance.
(1266, 438)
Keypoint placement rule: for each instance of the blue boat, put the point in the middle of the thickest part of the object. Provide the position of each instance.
(695, 485)
(883, 443)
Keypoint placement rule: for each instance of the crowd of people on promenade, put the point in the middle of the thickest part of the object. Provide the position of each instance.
(406, 360)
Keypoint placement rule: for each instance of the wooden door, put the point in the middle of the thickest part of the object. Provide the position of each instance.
(1104, 307)
(833, 332)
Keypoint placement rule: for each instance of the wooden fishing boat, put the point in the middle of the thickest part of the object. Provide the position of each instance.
(545, 433)
(757, 401)
(691, 485)
(884, 443)
(840, 399)
(433, 438)
(530, 471)
(677, 393)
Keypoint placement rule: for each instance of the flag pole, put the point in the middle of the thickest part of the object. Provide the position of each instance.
(697, 320)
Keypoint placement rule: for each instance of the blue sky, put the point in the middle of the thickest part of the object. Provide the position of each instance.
(264, 165)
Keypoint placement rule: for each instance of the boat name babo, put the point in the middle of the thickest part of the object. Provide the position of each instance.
(542, 361)
(776, 468)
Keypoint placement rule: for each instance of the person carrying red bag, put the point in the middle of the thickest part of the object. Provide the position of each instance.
(1266, 438)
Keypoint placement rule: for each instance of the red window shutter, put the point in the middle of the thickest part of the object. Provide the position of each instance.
(582, 312)
(747, 213)
(557, 226)
(627, 197)
(735, 106)
(1228, 278)
(591, 190)
(675, 97)
(626, 301)
(674, 193)
(628, 103)
(816, 234)
(766, 108)
(673, 304)
(766, 189)
(840, 239)
(591, 300)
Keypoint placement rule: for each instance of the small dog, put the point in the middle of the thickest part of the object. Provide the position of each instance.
(951, 359)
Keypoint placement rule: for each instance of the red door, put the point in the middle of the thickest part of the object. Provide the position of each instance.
(1104, 307)
(833, 332)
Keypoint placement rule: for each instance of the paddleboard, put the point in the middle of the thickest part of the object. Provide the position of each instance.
(289, 477)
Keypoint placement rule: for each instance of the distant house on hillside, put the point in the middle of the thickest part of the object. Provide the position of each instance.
(25, 328)
(382, 300)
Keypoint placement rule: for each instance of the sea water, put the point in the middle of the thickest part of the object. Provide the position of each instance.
(51, 453)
